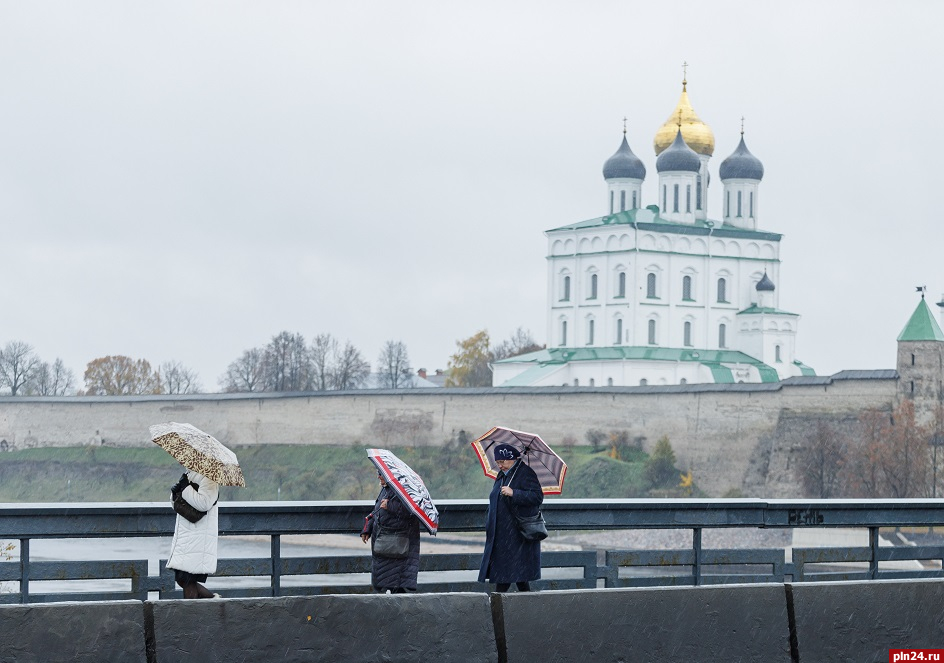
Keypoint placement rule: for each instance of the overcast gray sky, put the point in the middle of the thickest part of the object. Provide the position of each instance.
(183, 180)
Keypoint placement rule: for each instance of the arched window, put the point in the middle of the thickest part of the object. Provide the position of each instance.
(687, 334)
(643, 382)
(698, 193)
(576, 382)
(722, 334)
(727, 203)
(688, 197)
(565, 290)
(664, 193)
(622, 201)
(635, 203)
(722, 291)
(609, 382)
(592, 382)
(687, 288)
(619, 331)
(563, 338)
(612, 193)
(651, 285)
(777, 354)
(652, 332)
(739, 204)
(590, 326)
(675, 197)
(593, 286)
(621, 285)
(751, 205)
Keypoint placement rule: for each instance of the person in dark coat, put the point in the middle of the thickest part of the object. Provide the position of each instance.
(390, 513)
(509, 557)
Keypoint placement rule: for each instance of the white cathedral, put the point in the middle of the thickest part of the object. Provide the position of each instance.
(662, 294)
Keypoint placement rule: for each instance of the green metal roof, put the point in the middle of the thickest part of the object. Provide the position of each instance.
(715, 360)
(922, 326)
(754, 309)
(650, 220)
(804, 369)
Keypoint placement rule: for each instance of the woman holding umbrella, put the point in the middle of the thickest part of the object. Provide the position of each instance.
(209, 465)
(403, 503)
(509, 557)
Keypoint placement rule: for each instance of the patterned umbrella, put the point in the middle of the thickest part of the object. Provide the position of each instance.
(409, 486)
(198, 451)
(549, 467)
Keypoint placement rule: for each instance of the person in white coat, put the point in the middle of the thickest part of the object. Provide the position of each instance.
(193, 550)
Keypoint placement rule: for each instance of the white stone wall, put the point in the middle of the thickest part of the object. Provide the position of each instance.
(719, 434)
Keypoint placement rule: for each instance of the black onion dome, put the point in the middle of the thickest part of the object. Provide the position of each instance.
(678, 156)
(624, 164)
(765, 284)
(741, 165)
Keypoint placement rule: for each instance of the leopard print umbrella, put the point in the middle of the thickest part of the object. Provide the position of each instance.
(198, 451)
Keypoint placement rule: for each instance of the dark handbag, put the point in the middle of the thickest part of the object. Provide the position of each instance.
(391, 544)
(532, 528)
(186, 509)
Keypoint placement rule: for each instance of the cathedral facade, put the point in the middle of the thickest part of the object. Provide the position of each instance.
(662, 294)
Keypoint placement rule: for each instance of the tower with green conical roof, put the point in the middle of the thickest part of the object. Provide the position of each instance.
(921, 364)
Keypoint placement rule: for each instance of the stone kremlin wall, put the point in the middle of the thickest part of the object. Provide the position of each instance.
(736, 436)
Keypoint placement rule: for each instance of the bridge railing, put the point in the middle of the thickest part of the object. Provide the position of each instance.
(696, 565)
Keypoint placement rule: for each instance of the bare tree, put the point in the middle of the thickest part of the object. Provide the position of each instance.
(18, 362)
(52, 380)
(892, 458)
(287, 363)
(350, 369)
(178, 379)
(246, 373)
(119, 375)
(393, 366)
(821, 463)
(521, 342)
(324, 350)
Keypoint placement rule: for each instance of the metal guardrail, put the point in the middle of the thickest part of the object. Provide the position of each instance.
(574, 570)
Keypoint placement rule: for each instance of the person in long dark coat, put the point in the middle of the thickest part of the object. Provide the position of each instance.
(390, 513)
(509, 557)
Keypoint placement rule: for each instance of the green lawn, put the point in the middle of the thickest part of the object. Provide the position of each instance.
(287, 472)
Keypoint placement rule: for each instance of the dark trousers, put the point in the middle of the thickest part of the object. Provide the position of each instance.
(503, 587)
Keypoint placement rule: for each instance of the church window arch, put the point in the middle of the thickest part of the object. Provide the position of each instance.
(722, 290)
(664, 195)
(612, 193)
(619, 331)
(609, 382)
(722, 335)
(652, 332)
(698, 193)
(687, 334)
(622, 201)
(593, 382)
(591, 327)
(688, 197)
(727, 203)
(576, 382)
(675, 197)
(563, 333)
(565, 288)
(777, 354)
(750, 209)
(739, 204)
(621, 284)
(593, 286)
(651, 283)
(687, 288)
(683, 381)
(643, 382)
(635, 202)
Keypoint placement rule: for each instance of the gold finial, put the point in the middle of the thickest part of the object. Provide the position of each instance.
(684, 75)
(742, 125)
(624, 125)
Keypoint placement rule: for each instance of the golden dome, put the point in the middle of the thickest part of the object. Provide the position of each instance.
(696, 133)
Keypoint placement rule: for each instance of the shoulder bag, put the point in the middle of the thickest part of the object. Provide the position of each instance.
(391, 543)
(186, 509)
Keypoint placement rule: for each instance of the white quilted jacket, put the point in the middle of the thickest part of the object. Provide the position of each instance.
(194, 546)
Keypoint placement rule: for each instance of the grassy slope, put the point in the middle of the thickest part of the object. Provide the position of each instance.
(103, 474)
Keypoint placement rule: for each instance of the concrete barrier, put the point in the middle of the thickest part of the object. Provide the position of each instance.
(719, 623)
(352, 628)
(74, 632)
(860, 621)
